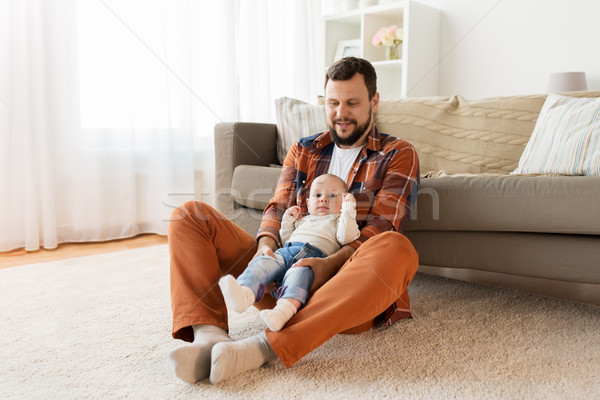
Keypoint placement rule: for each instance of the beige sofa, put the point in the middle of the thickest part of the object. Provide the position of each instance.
(473, 221)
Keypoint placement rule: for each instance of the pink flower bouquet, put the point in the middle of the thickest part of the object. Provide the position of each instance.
(391, 37)
(388, 36)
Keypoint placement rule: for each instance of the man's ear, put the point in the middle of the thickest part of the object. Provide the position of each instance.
(375, 102)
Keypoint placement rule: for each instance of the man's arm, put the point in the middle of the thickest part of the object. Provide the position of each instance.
(266, 247)
(390, 208)
(284, 198)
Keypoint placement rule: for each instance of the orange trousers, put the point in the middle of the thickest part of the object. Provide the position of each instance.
(205, 245)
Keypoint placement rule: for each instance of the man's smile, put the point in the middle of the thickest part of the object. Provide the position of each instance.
(345, 124)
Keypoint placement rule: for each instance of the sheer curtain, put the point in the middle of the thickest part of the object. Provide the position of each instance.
(107, 107)
(280, 43)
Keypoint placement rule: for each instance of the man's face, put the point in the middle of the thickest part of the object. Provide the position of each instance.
(349, 111)
(326, 197)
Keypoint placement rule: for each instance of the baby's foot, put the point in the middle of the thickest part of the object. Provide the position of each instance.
(276, 318)
(237, 297)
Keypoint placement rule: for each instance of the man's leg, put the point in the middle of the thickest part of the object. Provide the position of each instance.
(204, 245)
(376, 275)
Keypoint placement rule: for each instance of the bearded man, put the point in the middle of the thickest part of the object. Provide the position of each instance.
(364, 282)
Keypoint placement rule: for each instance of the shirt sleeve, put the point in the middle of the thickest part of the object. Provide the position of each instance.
(284, 197)
(393, 200)
(287, 228)
(347, 230)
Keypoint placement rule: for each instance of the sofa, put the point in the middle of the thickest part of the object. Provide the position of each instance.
(475, 218)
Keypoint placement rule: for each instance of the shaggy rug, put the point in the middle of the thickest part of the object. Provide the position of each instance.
(99, 327)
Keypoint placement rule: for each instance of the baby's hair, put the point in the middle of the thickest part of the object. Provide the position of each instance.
(336, 178)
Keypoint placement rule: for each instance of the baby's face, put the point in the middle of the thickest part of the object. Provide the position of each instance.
(326, 197)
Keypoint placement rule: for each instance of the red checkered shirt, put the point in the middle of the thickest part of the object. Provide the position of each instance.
(384, 179)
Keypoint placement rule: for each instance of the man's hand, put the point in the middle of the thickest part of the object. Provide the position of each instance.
(266, 246)
(325, 268)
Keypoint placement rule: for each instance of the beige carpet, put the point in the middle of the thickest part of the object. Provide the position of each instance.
(98, 327)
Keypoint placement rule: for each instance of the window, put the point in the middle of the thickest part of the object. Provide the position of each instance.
(125, 51)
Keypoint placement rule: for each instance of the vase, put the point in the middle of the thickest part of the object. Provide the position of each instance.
(348, 5)
(392, 52)
(366, 3)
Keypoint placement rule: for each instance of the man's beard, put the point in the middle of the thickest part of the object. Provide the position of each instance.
(358, 133)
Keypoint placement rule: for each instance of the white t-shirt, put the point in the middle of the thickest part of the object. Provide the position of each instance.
(342, 161)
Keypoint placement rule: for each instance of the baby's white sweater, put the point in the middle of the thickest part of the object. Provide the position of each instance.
(328, 233)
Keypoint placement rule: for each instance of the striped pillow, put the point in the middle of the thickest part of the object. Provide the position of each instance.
(566, 138)
(296, 119)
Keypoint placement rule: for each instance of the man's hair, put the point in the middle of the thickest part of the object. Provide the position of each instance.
(347, 67)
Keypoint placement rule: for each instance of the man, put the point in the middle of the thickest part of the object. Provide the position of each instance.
(364, 281)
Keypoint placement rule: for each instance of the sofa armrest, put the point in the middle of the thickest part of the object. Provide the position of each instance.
(240, 143)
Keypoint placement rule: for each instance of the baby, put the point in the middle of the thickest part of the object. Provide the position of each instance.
(330, 224)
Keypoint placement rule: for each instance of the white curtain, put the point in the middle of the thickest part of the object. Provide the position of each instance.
(107, 107)
(280, 54)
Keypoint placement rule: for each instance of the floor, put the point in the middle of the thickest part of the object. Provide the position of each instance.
(19, 257)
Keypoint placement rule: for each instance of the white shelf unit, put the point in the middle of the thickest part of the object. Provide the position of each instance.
(416, 74)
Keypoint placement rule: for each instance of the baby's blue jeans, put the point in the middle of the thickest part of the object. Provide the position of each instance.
(291, 282)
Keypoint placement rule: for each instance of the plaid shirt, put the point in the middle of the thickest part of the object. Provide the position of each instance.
(384, 179)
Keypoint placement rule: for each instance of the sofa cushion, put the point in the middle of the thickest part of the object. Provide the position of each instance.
(544, 204)
(502, 203)
(465, 136)
(253, 186)
(566, 138)
(296, 119)
(451, 134)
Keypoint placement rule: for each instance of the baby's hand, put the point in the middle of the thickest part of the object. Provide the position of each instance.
(293, 212)
(348, 198)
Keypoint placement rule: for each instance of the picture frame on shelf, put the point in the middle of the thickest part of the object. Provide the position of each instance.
(347, 48)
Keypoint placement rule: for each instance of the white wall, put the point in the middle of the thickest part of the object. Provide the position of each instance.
(506, 47)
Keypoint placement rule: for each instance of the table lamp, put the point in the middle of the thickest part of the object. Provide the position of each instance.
(567, 82)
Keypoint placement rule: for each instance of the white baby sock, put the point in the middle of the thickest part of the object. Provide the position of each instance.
(237, 297)
(191, 361)
(276, 318)
(232, 358)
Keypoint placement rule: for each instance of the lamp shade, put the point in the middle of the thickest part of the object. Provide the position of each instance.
(567, 82)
